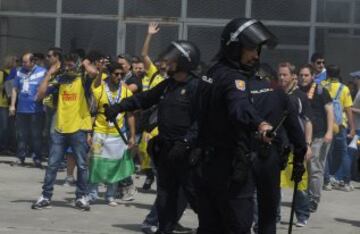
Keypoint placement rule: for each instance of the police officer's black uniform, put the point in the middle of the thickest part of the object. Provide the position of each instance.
(225, 203)
(228, 118)
(178, 131)
(274, 104)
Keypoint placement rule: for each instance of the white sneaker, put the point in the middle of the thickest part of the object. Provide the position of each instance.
(347, 188)
(148, 229)
(111, 202)
(129, 193)
(41, 203)
(82, 203)
(302, 223)
(327, 187)
(337, 184)
(333, 180)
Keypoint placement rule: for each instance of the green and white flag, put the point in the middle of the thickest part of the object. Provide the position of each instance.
(110, 160)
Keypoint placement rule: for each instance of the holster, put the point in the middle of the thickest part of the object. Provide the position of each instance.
(242, 163)
(153, 149)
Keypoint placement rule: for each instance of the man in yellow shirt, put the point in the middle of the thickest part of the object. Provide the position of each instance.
(72, 126)
(338, 165)
(109, 155)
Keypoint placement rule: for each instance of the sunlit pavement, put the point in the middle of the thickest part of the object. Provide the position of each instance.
(339, 212)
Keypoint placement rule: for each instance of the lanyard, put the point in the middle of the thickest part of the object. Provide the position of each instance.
(26, 82)
(27, 76)
(110, 97)
(292, 89)
(311, 91)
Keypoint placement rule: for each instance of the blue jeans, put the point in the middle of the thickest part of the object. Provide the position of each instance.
(4, 117)
(94, 190)
(337, 163)
(152, 218)
(302, 209)
(49, 116)
(29, 133)
(77, 142)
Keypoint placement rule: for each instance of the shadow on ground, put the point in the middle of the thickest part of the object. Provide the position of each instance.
(355, 223)
(138, 205)
(130, 227)
(150, 191)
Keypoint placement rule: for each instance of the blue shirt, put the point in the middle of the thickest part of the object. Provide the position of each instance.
(320, 77)
(27, 84)
(12, 74)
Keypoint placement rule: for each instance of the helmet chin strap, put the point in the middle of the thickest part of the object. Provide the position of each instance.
(171, 73)
(245, 68)
(249, 70)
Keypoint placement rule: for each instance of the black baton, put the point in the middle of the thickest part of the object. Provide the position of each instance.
(106, 106)
(273, 132)
(293, 207)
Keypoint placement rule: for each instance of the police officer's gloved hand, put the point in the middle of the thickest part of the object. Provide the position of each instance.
(298, 171)
(179, 150)
(111, 112)
(284, 156)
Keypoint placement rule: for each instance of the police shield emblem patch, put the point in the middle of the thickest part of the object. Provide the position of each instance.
(240, 84)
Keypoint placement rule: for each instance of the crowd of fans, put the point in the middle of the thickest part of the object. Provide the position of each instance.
(52, 106)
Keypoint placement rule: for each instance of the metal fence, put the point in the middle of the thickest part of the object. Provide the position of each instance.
(117, 26)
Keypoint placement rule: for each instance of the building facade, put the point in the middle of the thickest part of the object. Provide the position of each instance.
(117, 26)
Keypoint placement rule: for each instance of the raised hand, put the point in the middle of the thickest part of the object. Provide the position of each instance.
(53, 69)
(153, 28)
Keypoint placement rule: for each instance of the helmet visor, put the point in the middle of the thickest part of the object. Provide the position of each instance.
(256, 35)
(173, 52)
(253, 34)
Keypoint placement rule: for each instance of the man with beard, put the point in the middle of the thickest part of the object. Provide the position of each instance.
(235, 105)
(321, 109)
(130, 79)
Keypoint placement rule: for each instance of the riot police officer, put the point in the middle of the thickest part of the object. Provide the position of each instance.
(276, 107)
(228, 120)
(178, 130)
(228, 117)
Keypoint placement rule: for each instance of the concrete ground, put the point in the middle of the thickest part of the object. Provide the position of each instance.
(339, 212)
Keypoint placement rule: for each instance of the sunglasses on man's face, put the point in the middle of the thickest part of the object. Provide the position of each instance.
(320, 62)
(118, 74)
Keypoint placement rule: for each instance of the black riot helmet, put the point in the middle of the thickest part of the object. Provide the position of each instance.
(184, 53)
(242, 33)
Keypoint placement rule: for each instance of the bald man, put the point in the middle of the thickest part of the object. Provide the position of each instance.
(27, 110)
